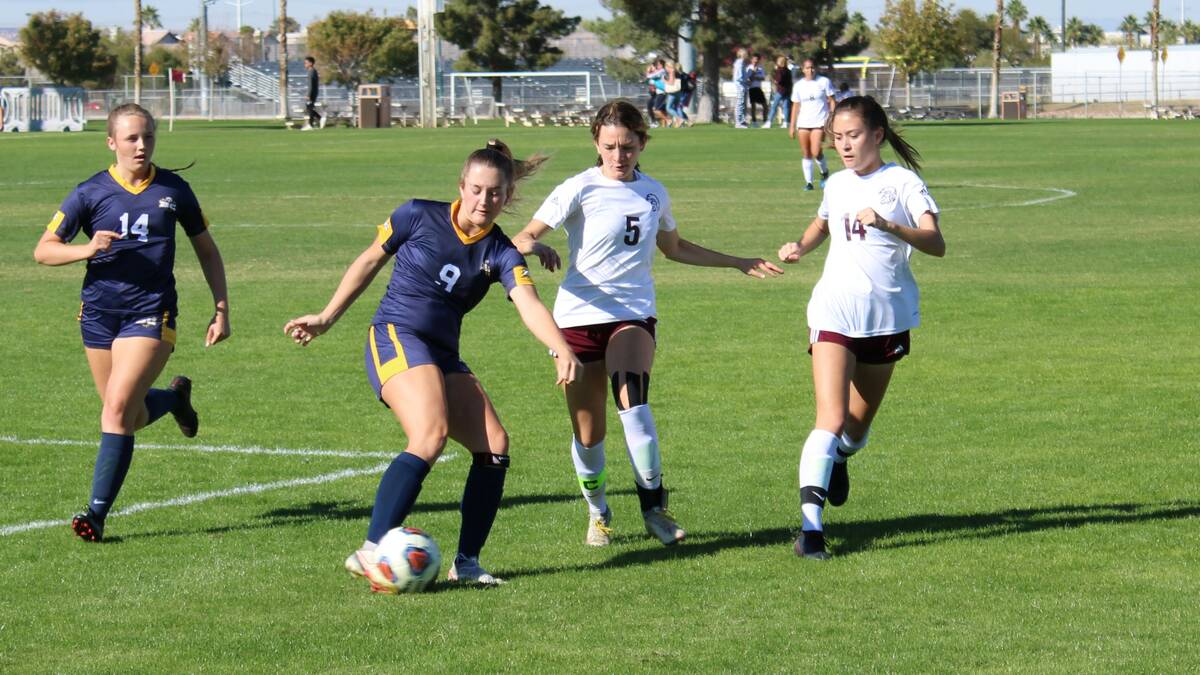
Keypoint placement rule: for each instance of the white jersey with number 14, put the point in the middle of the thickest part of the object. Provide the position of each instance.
(612, 227)
(867, 288)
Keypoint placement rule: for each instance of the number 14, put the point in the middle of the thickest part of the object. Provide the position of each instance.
(857, 228)
(141, 226)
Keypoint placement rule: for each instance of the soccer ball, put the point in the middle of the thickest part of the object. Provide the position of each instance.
(409, 558)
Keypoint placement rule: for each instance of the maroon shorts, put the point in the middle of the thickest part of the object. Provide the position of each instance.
(590, 342)
(875, 350)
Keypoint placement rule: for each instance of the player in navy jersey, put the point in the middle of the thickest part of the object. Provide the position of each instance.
(128, 311)
(447, 257)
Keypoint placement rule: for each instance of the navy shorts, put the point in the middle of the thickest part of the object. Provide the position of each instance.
(875, 350)
(590, 342)
(391, 350)
(99, 328)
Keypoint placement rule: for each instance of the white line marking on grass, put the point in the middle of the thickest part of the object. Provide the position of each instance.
(238, 449)
(1059, 193)
(253, 488)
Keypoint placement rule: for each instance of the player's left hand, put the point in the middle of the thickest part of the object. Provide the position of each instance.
(218, 328)
(568, 367)
(757, 267)
(870, 218)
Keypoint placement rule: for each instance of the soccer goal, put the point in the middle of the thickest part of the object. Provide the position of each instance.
(548, 89)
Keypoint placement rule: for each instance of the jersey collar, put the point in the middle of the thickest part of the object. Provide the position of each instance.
(112, 171)
(462, 236)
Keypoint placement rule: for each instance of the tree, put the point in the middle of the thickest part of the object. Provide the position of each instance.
(10, 64)
(1080, 33)
(150, 18)
(1131, 28)
(66, 49)
(1191, 32)
(282, 27)
(1016, 13)
(356, 47)
(971, 35)
(139, 19)
(503, 35)
(1039, 31)
(1168, 32)
(623, 31)
(997, 40)
(915, 39)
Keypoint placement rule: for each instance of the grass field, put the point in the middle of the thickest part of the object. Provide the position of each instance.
(1028, 502)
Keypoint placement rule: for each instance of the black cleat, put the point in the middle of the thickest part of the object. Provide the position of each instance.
(811, 544)
(808, 187)
(839, 484)
(87, 526)
(185, 415)
(824, 174)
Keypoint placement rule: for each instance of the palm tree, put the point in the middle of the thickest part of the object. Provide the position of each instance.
(150, 17)
(1073, 31)
(1191, 32)
(282, 28)
(1041, 30)
(1132, 28)
(1017, 14)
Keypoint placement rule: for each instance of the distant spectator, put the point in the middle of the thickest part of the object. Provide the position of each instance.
(739, 90)
(843, 92)
(754, 79)
(781, 92)
(675, 80)
(656, 75)
(314, 88)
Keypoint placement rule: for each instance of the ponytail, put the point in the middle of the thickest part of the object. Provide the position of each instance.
(497, 155)
(875, 117)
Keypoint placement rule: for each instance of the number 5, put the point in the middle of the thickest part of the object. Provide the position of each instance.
(632, 232)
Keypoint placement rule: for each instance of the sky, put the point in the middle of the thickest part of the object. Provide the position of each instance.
(259, 13)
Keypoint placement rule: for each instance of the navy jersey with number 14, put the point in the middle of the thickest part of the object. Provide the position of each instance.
(440, 273)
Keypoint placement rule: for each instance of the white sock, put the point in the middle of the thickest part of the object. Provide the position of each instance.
(816, 463)
(589, 468)
(641, 438)
(807, 163)
(847, 447)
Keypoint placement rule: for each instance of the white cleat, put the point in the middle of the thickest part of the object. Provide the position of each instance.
(660, 523)
(599, 533)
(468, 570)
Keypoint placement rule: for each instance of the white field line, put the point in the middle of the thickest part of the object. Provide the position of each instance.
(1059, 193)
(237, 449)
(253, 488)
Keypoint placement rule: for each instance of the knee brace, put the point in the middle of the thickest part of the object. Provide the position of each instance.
(637, 385)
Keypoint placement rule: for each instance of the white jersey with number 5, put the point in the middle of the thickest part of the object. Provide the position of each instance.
(867, 288)
(813, 97)
(612, 227)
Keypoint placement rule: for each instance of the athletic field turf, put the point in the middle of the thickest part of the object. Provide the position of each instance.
(1028, 501)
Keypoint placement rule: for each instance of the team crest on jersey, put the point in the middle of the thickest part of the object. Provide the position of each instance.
(653, 199)
(486, 268)
(887, 196)
(167, 203)
(148, 322)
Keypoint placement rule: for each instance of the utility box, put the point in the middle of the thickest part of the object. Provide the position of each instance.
(1012, 105)
(374, 106)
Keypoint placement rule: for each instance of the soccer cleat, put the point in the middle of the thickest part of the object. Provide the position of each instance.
(808, 187)
(811, 544)
(87, 526)
(599, 533)
(185, 415)
(322, 123)
(824, 175)
(364, 563)
(468, 570)
(660, 523)
(766, 126)
(839, 484)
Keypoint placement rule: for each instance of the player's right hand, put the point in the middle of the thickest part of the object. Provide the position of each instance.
(790, 252)
(568, 366)
(102, 241)
(303, 329)
(547, 256)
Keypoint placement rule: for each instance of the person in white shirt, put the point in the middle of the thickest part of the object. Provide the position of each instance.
(741, 81)
(614, 217)
(873, 214)
(814, 95)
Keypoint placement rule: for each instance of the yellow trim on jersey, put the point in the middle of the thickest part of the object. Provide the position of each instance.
(168, 333)
(462, 236)
(396, 365)
(384, 231)
(56, 221)
(521, 276)
(137, 190)
(204, 219)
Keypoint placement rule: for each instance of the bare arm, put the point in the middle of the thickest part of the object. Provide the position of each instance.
(53, 251)
(681, 250)
(792, 122)
(214, 273)
(527, 244)
(540, 322)
(357, 278)
(816, 233)
(926, 237)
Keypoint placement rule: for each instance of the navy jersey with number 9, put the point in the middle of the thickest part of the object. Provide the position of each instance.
(440, 273)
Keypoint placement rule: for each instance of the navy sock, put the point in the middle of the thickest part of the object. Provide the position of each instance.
(398, 490)
(112, 463)
(481, 501)
(159, 402)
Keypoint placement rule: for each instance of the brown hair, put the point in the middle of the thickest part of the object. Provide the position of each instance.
(129, 109)
(874, 116)
(619, 113)
(496, 154)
